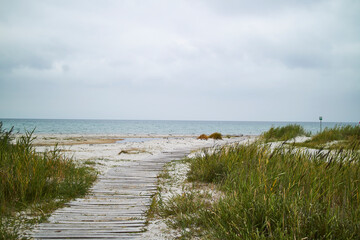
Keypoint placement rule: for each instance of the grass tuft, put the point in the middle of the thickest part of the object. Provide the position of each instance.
(284, 133)
(29, 178)
(345, 136)
(281, 193)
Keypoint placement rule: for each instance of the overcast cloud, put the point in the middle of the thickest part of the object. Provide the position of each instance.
(284, 60)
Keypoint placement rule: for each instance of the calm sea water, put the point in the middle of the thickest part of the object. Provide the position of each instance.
(59, 126)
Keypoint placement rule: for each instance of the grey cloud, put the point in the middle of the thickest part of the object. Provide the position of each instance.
(258, 7)
(10, 60)
(190, 54)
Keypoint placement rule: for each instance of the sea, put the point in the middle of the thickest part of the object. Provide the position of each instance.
(153, 127)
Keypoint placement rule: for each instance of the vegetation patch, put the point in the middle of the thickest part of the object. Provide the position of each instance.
(216, 136)
(281, 193)
(175, 197)
(284, 133)
(203, 137)
(347, 137)
(35, 183)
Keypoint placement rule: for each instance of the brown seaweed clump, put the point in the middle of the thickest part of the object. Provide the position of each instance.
(216, 136)
(203, 137)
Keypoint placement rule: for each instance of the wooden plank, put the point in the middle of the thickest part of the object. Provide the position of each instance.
(94, 224)
(118, 213)
(126, 201)
(88, 226)
(97, 202)
(94, 231)
(106, 218)
(132, 237)
(116, 222)
(104, 207)
(87, 236)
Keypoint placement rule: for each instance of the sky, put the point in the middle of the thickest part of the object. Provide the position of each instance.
(281, 60)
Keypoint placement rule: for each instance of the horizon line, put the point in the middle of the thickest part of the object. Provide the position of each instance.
(187, 120)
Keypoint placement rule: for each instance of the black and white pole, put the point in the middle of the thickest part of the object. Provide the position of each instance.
(320, 118)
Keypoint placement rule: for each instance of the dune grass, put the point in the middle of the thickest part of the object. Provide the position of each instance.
(281, 193)
(36, 180)
(345, 136)
(284, 133)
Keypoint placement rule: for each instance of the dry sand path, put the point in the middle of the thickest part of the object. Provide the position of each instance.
(117, 204)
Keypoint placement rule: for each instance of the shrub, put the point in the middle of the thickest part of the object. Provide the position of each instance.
(216, 136)
(203, 137)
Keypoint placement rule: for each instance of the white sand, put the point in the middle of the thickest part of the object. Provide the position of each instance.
(300, 139)
(106, 156)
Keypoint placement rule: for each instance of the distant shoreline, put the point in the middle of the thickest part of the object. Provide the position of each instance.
(78, 139)
(151, 127)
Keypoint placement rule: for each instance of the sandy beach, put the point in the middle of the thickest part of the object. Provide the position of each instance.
(107, 151)
(128, 167)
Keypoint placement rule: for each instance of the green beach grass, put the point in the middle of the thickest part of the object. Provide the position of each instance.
(33, 182)
(284, 133)
(267, 193)
(347, 137)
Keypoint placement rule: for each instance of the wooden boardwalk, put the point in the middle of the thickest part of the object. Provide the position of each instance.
(116, 206)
